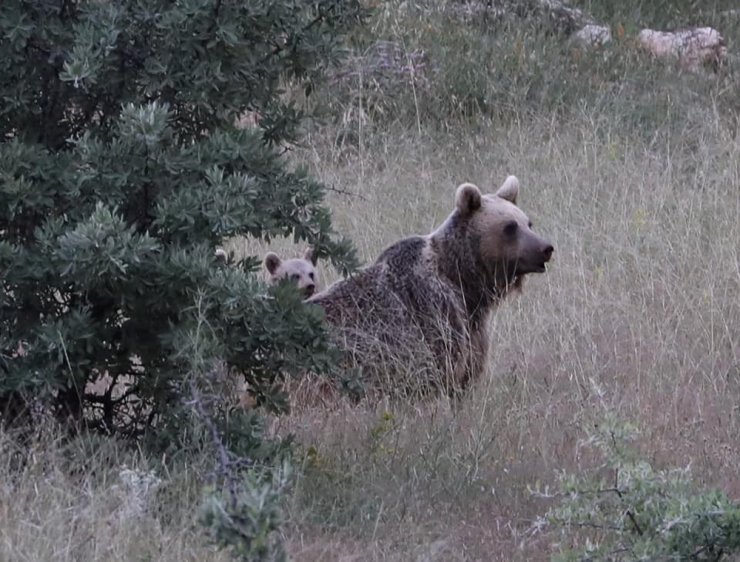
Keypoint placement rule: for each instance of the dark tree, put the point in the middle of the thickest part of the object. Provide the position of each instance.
(122, 170)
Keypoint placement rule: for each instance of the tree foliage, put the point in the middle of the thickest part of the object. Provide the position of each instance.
(122, 169)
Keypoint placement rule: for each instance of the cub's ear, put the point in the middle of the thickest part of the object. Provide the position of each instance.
(467, 199)
(272, 262)
(509, 189)
(309, 255)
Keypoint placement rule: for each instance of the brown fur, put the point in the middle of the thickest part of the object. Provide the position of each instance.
(423, 307)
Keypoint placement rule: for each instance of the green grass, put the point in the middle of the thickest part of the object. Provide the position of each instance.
(632, 170)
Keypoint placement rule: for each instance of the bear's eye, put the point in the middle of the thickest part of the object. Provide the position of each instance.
(530, 224)
(311, 275)
(511, 228)
(295, 277)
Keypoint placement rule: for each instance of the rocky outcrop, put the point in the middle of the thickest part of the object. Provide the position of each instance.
(693, 49)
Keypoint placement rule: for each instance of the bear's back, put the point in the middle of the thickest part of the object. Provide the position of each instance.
(374, 294)
(400, 295)
(397, 318)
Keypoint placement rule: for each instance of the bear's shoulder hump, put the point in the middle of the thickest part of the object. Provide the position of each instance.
(408, 250)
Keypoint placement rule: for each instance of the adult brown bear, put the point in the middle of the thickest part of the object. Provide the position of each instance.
(419, 315)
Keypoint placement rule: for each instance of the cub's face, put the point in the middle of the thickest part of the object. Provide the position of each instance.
(505, 236)
(301, 271)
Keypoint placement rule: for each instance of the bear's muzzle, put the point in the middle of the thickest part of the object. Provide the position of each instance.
(535, 253)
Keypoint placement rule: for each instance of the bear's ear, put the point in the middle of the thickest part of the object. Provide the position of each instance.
(272, 262)
(467, 199)
(309, 256)
(509, 189)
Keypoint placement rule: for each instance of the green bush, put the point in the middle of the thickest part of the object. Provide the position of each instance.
(246, 520)
(631, 511)
(121, 170)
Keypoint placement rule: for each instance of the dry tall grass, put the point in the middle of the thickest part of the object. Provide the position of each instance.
(639, 314)
(92, 500)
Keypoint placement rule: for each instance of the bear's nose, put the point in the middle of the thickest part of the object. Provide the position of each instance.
(547, 252)
(310, 289)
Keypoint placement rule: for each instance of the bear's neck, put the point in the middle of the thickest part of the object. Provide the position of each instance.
(459, 261)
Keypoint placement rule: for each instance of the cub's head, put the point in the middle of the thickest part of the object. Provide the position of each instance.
(301, 271)
(502, 234)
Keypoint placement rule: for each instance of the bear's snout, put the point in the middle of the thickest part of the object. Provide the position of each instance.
(309, 289)
(547, 252)
(534, 254)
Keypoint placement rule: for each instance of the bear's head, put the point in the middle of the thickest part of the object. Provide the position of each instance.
(301, 271)
(500, 234)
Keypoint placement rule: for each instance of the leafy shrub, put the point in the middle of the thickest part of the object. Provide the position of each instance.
(246, 518)
(631, 511)
(121, 170)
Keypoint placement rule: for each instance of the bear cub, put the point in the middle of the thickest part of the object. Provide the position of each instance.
(301, 271)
